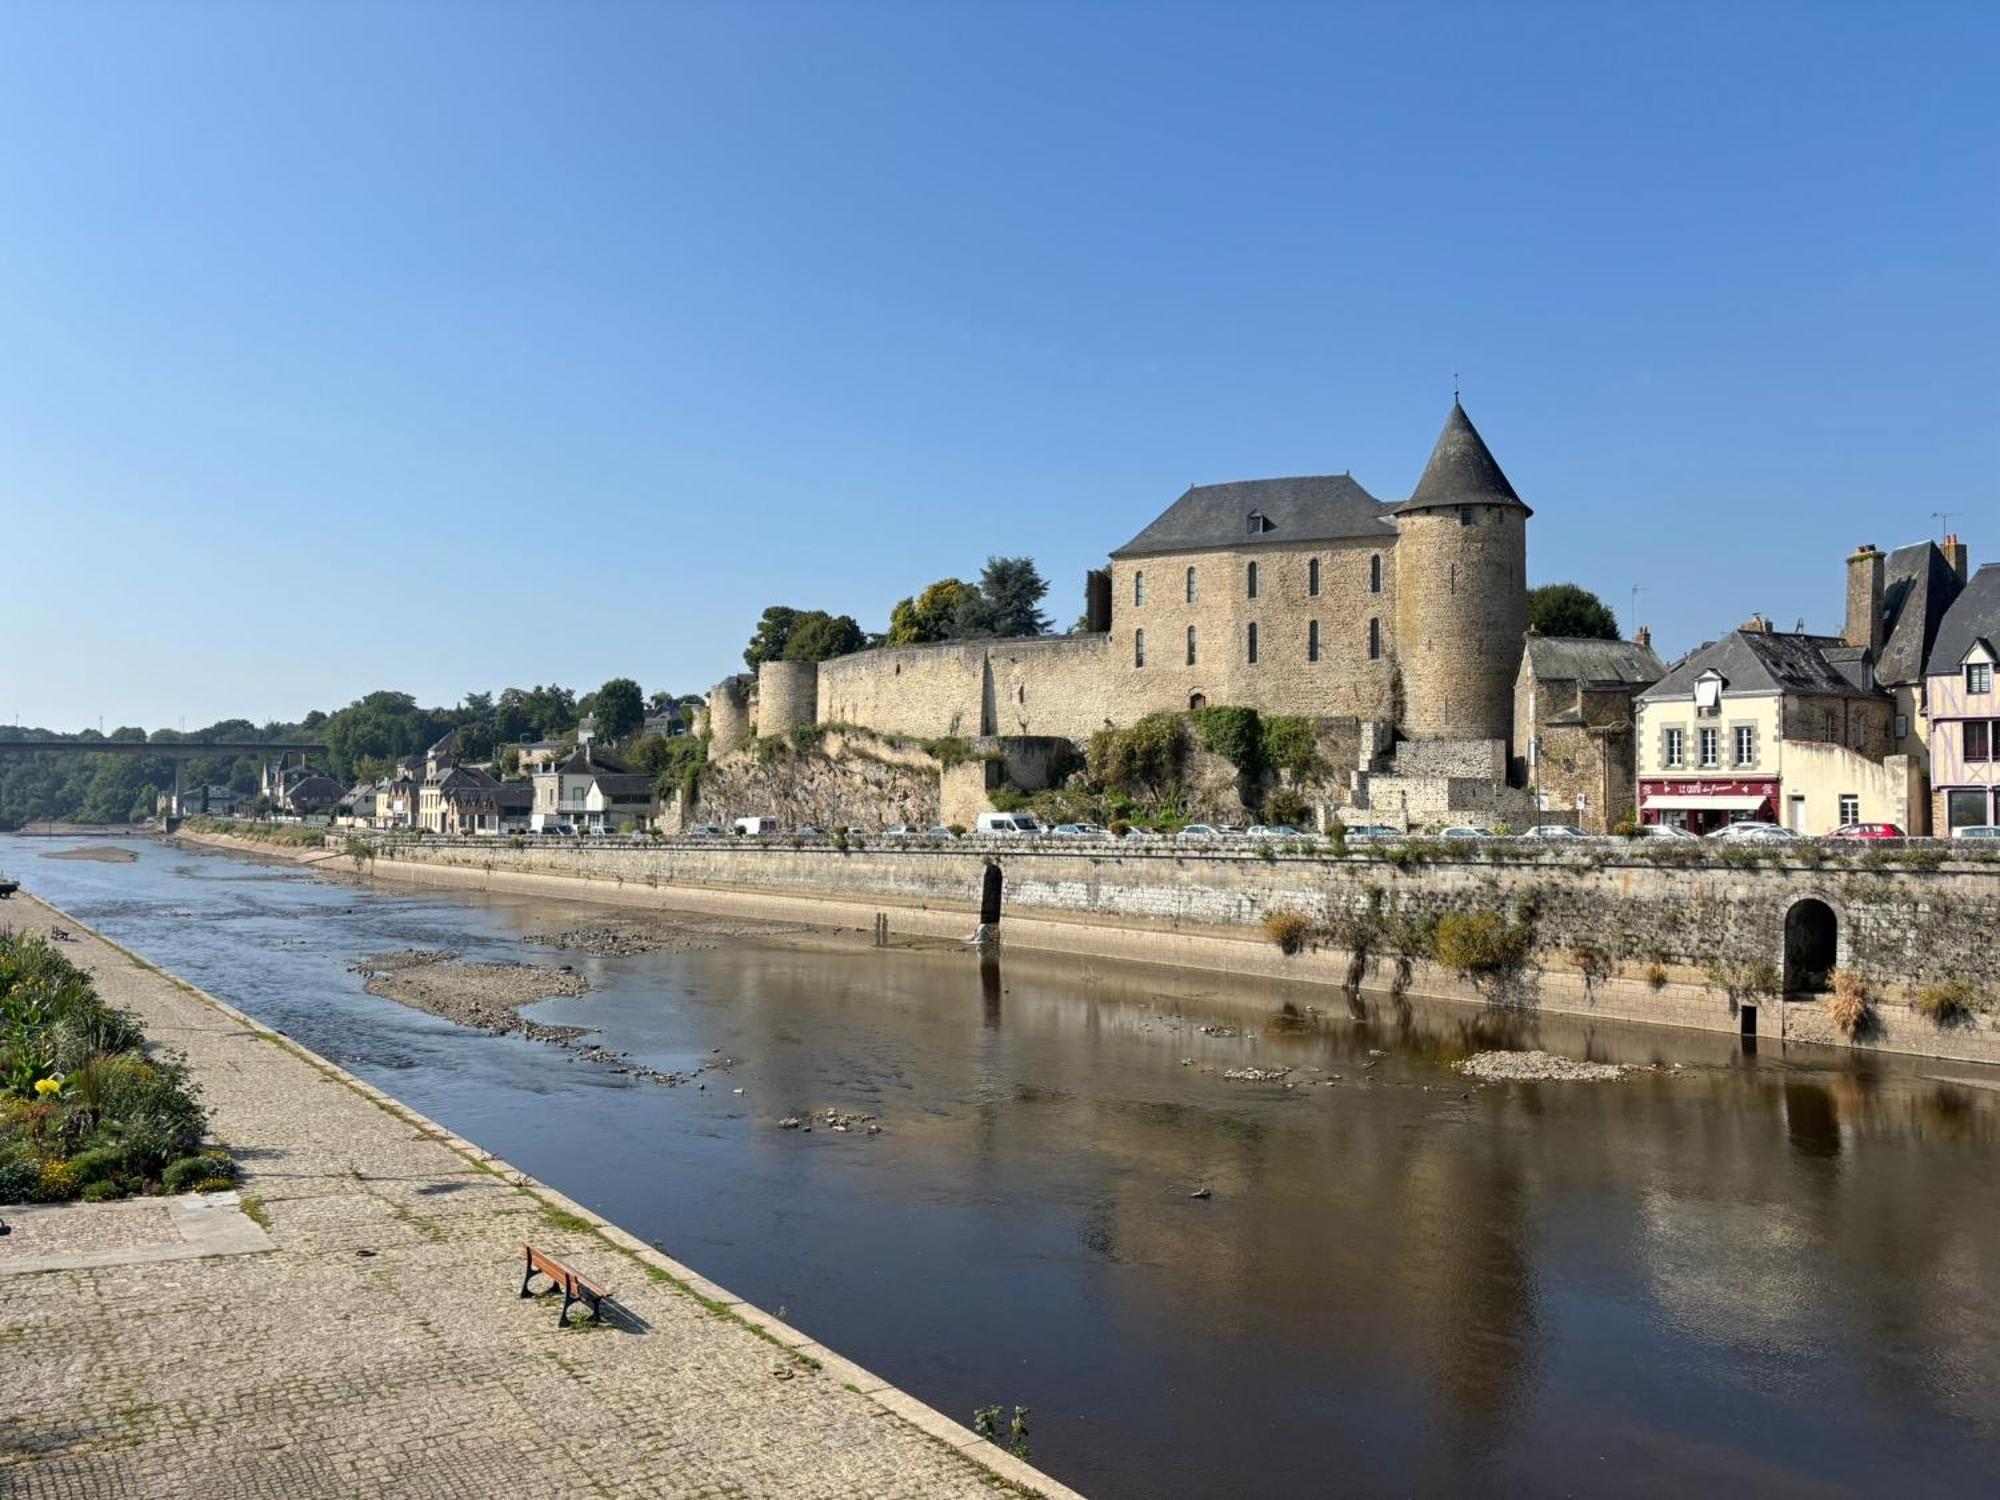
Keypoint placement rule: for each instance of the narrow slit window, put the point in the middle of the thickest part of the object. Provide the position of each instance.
(1251, 579)
(1312, 577)
(1251, 641)
(1190, 650)
(1138, 648)
(1375, 574)
(1190, 585)
(1139, 587)
(1312, 640)
(1375, 640)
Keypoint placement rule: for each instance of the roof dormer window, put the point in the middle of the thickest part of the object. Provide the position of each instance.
(1256, 523)
(1708, 691)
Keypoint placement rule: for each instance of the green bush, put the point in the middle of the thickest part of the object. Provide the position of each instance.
(17, 1181)
(54, 1182)
(1142, 760)
(101, 1192)
(1480, 943)
(1286, 742)
(98, 1164)
(192, 1174)
(1232, 733)
(1948, 1004)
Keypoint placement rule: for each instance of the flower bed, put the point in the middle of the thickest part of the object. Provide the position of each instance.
(85, 1110)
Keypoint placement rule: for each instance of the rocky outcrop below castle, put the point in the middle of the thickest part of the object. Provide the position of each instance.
(827, 781)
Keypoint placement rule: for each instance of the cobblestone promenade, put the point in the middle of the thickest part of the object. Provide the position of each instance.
(378, 1348)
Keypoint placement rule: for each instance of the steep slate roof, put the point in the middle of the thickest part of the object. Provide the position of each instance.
(624, 784)
(1918, 586)
(589, 759)
(1565, 658)
(1757, 661)
(1310, 508)
(1462, 471)
(1973, 616)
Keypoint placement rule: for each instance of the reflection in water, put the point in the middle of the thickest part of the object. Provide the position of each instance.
(1737, 1272)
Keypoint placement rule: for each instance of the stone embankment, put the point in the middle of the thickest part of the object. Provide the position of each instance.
(368, 1340)
(1644, 933)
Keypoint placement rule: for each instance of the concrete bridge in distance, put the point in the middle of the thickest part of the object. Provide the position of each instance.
(179, 751)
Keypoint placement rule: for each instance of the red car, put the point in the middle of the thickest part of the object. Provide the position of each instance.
(1868, 831)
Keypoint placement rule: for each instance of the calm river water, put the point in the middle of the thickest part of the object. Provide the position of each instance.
(1757, 1274)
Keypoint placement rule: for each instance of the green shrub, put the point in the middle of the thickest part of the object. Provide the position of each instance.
(1119, 828)
(101, 1192)
(54, 1182)
(191, 1173)
(98, 1164)
(1287, 806)
(1286, 742)
(1231, 733)
(1288, 928)
(1948, 1004)
(1480, 943)
(1144, 759)
(17, 1181)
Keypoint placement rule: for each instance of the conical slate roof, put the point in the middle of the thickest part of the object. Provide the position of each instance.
(1462, 471)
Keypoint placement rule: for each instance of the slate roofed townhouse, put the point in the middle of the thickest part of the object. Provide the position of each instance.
(1962, 700)
(1772, 727)
(593, 792)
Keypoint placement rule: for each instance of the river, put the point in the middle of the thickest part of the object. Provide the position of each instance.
(1743, 1274)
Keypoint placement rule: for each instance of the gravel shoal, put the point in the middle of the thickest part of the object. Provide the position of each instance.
(103, 856)
(1500, 1067)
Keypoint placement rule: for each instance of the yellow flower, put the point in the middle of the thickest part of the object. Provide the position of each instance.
(48, 1085)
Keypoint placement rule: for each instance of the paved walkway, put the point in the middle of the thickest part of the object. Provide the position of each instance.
(378, 1348)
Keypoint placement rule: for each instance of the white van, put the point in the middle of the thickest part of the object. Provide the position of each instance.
(1014, 822)
(752, 828)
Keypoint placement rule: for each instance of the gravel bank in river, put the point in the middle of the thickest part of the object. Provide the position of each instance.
(103, 854)
(1503, 1067)
(492, 996)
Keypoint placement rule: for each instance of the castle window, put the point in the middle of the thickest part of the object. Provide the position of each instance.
(1251, 641)
(1190, 585)
(1190, 660)
(1251, 575)
(1139, 587)
(1465, 515)
(1375, 574)
(1374, 640)
(1312, 576)
(1312, 640)
(1138, 648)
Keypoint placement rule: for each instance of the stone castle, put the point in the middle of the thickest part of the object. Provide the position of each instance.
(1398, 626)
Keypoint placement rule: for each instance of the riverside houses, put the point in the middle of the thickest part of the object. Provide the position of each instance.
(592, 792)
(1772, 727)
(1963, 702)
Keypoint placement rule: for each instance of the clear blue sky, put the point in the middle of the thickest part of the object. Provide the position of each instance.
(443, 347)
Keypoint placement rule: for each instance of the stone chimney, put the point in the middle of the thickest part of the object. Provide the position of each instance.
(1756, 624)
(1643, 636)
(1864, 598)
(1955, 554)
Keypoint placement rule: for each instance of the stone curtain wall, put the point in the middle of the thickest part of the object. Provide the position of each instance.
(1901, 928)
(927, 692)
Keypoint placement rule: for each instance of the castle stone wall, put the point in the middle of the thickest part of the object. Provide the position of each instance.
(787, 696)
(926, 692)
(1344, 682)
(728, 716)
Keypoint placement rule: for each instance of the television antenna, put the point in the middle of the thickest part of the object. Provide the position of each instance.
(1943, 518)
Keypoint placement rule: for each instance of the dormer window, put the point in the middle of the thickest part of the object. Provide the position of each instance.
(1978, 677)
(1256, 523)
(1708, 692)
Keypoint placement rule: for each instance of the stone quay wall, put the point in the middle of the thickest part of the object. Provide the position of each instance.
(1616, 934)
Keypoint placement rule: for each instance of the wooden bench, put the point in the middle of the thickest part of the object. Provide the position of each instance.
(575, 1288)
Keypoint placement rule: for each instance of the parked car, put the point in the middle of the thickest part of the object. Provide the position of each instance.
(1738, 833)
(1977, 831)
(1274, 831)
(1466, 831)
(1077, 831)
(1552, 831)
(898, 831)
(1199, 831)
(1006, 823)
(1369, 831)
(1662, 831)
(703, 831)
(807, 832)
(1867, 831)
(939, 832)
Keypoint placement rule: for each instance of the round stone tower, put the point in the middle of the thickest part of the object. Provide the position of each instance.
(728, 716)
(787, 696)
(1461, 592)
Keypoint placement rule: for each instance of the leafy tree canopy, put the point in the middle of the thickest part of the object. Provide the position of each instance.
(928, 616)
(819, 636)
(1007, 602)
(620, 709)
(1566, 609)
